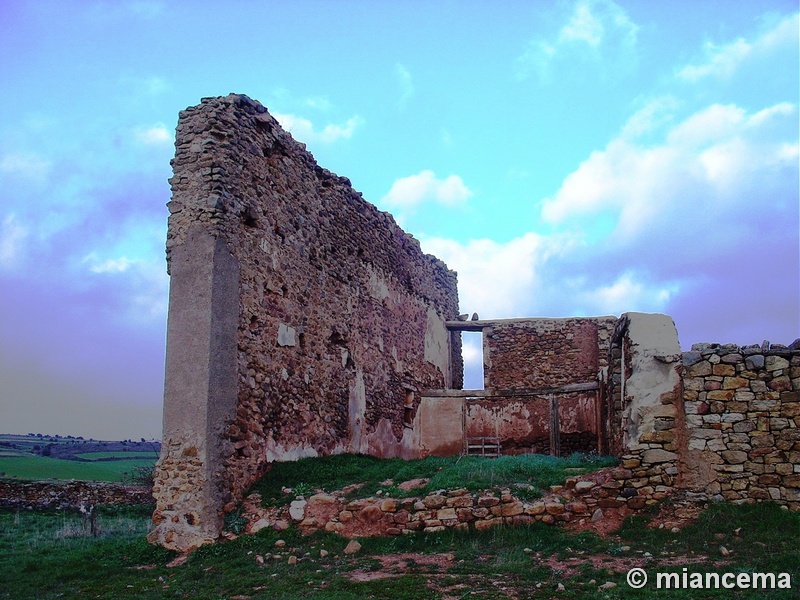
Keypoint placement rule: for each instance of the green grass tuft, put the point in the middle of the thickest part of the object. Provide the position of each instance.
(527, 474)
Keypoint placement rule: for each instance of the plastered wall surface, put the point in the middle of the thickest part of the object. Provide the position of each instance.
(303, 320)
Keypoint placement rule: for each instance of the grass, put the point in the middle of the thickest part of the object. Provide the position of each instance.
(529, 474)
(150, 456)
(30, 467)
(45, 555)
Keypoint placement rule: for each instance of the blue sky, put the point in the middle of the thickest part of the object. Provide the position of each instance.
(577, 157)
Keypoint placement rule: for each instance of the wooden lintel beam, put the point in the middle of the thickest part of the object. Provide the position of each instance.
(467, 325)
(493, 393)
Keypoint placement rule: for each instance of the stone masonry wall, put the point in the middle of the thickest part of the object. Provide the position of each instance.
(544, 353)
(539, 354)
(644, 402)
(303, 320)
(69, 494)
(743, 422)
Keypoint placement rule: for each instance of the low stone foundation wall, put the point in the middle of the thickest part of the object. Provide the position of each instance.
(584, 497)
(71, 494)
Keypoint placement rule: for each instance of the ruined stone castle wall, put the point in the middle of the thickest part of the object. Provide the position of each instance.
(303, 320)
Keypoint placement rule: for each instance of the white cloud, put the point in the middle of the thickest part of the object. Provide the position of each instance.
(593, 29)
(626, 291)
(495, 279)
(583, 26)
(26, 165)
(110, 265)
(700, 223)
(708, 163)
(145, 279)
(12, 235)
(406, 84)
(410, 191)
(722, 61)
(303, 129)
(154, 136)
(319, 103)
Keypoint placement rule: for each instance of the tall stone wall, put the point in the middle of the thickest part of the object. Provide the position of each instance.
(302, 321)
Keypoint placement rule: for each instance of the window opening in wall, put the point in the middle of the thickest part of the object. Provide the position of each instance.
(408, 409)
(472, 353)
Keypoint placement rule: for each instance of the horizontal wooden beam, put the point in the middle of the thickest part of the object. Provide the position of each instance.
(467, 325)
(493, 393)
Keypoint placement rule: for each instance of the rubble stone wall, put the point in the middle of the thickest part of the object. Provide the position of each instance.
(642, 409)
(544, 353)
(303, 320)
(69, 494)
(742, 408)
(538, 354)
(721, 422)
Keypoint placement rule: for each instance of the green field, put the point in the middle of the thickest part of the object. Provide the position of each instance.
(41, 467)
(153, 456)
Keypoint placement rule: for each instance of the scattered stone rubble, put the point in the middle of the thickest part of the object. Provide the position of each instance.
(581, 498)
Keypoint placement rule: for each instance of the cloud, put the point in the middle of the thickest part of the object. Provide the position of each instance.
(494, 279)
(111, 265)
(406, 84)
(722, 61)
(413, 190)
(319, 103)
(25, 165)
(154, 136)
(695, 216)
(303, 129)
(12, 234)
(709, 163)
(594, 29)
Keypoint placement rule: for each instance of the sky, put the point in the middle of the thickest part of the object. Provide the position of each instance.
(566, 157)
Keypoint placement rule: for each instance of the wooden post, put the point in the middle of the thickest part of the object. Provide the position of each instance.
(555, 427)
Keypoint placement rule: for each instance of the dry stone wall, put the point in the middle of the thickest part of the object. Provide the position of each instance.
(69, 494)
(742, 409)
(303, 320)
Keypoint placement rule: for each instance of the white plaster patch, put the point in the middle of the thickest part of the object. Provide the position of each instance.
(287, 336)
(356, 408)
(377, 286)
(437, 342)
